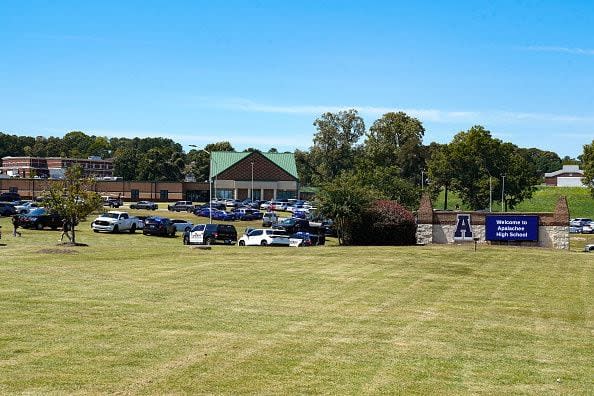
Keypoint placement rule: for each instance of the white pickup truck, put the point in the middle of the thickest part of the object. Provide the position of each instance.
(114, 221)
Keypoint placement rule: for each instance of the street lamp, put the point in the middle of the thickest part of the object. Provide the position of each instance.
(252, 190)
(209, 186)
(502, 191)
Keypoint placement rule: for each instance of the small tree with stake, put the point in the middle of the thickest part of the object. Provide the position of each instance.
(72, 198)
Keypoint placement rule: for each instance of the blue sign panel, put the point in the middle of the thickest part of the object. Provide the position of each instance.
(511, 228)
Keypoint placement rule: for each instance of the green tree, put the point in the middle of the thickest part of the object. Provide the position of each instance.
(125, 162)
(305, 167)
(343, 199)
(72, 198)
(335, 143)
(161, 164)
(478, 160)
(440, 172)
(388, 183)
(588, 166)
(198, 161)
(78, 144)
(396, 140)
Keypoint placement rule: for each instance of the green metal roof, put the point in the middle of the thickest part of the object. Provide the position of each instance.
(222, 160)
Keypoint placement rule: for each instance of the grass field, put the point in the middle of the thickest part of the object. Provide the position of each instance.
(579, 200)
(135, 314)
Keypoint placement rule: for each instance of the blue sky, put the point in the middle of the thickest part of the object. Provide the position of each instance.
(258, 73)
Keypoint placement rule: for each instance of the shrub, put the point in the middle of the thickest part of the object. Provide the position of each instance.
(385, 223)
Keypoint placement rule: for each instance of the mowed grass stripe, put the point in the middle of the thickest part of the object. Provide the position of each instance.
(133, 314)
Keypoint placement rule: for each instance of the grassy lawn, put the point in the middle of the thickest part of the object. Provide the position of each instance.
(137, 314)
(581, 203)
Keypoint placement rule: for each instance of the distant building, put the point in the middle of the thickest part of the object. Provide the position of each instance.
(568, 176)
(254, 175)
(54, 167)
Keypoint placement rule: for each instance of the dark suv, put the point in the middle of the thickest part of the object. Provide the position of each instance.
(158, 226)
(38, 219)
(209, 234)
(7, 209)
(9, 196)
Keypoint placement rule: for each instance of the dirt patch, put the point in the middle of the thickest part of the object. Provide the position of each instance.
(57, 251)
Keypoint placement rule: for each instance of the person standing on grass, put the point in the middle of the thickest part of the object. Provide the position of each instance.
(15, 224)
(65, 229)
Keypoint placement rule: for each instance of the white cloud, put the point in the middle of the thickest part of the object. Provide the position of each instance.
(425, 115)
(566, 50)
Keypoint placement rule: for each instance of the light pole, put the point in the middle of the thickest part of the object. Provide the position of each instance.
(422, 179)
(502, 191)
(490, 194)
(252, 190)
(209, 186)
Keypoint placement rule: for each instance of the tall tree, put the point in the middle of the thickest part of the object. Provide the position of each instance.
(73, 198)
(343, 199)
(440, 172)
(396, 140)
(335, 143)
(588, 166)
(125, 162)
(479, 161)
(199, 160)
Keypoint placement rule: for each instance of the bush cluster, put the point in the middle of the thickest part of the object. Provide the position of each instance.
(385, 223)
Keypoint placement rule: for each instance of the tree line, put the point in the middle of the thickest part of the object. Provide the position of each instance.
(388, 161)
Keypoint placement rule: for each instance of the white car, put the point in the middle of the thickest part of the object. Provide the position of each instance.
(182, 225)
(264, 237)
(588, 228)
(589, 248)
(26, 207)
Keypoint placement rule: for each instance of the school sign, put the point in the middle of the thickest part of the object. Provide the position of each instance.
(511, 228)
(544, 229)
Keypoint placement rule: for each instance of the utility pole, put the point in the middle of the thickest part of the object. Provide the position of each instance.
(502, 192)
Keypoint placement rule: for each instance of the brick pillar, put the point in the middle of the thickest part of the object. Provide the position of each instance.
(559, 231)
(425, 221)
(561, 215)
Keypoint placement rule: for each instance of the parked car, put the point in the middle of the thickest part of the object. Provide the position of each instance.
(112, 202)
(182, 225)
(264, 237)
(269, 218)
(222, 215)
(181, 206)
(588, 228)
(7, 209)
(303, 238)
(26, 206)
(161, 226)
(115, 221)
(231, 203)
(575, 230)
(589, 248)
(247, 214)
(579, 221)
(10, 196)
(210, 234)
(39, 218)
(203, 212)
(144, 205)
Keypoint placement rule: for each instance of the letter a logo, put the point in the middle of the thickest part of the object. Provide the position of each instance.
(463, 229)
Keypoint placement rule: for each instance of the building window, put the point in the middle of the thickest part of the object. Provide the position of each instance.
(134, 194)
(164, 195)
(224, 194)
